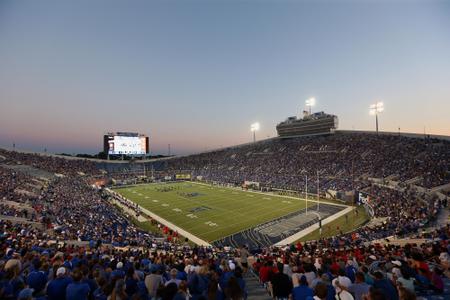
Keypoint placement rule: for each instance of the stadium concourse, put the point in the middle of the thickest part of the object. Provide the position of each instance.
(62, 238)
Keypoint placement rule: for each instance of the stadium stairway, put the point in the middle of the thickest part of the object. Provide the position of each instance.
(254, 288)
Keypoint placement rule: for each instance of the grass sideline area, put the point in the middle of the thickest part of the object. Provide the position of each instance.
(210, 212)
(344, 224)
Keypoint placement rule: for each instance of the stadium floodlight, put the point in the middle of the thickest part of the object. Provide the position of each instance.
(375, 109)
(253, 128)
(310, 103)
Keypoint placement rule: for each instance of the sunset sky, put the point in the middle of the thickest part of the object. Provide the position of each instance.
(196, 74)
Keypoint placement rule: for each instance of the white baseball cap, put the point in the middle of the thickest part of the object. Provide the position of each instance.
(60, 271)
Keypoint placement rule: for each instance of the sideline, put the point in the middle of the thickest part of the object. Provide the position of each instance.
(170, 225)
(129, 211)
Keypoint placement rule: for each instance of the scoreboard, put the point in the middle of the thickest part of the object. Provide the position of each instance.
(125, 143)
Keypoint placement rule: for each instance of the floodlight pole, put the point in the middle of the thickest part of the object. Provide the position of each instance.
(376, 121)
(306, 194)
(254, 136)
(318, 194)
(374, 110)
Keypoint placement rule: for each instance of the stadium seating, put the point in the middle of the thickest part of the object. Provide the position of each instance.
(61, 237)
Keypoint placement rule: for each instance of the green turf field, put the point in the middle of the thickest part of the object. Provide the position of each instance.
(210, 213)
(344, 224)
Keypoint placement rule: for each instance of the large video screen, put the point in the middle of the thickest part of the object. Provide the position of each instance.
(128, 145)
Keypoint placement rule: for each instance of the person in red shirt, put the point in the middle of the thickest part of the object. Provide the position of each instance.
(266, 271)
(299, 247)
(257, 265)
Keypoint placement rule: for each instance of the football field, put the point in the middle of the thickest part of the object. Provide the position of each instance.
(210, 212)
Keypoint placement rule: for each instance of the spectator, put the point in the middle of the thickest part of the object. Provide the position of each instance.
(359, 288)
(77, 290)
(302, 292)
(56, 288)
(281, 284)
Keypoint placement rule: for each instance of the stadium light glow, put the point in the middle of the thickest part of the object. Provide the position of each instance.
(374, 110)
(253, 128)
(310, 103)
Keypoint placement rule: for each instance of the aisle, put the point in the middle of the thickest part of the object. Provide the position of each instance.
(254, 288)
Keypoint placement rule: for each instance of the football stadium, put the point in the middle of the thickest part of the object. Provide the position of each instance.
(224, 150)
(306, 201)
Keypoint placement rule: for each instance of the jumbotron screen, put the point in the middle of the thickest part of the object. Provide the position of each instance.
(126, 144)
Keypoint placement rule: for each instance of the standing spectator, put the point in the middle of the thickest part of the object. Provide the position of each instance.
(359, 288)
(302, 292)
(243, 252)
(385, 286)
(56, 288)
(320, 291)
(119, 291)
(153, 281)
(281, 284)
(173, 277)
(131, 282)
(37, 278)
(77, 290)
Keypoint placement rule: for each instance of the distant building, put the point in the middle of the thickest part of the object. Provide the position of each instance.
(310, 124)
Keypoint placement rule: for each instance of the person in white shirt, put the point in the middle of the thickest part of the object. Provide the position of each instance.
(173, 278)
(343, 280)
(342, 293)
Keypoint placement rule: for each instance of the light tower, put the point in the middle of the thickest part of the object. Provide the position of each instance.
(253, 128)
(375, 109)
(310, 103)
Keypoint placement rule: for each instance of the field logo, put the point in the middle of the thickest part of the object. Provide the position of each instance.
(199, 209)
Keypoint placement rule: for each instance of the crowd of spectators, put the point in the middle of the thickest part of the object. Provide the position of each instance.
(342, 161)
(51, 163)
(37, 269)
(89, 249)
(356, 272)
(12, 181)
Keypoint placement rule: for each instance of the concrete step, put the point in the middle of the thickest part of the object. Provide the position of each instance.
(254, 288)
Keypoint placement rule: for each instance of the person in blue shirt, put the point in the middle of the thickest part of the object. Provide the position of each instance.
(118, 272)
(56, 288)
(131, 281)
(77, 290)
(385, 286)
(87, 279)
(350, 271)
(37, 278)
(101, 293)
(303, 291)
